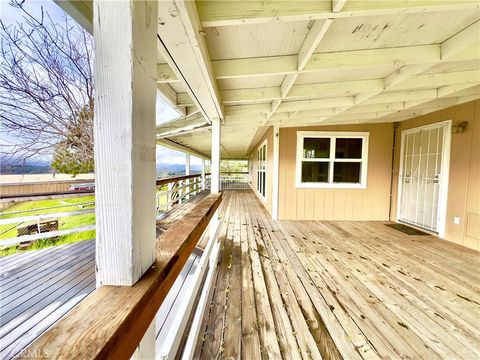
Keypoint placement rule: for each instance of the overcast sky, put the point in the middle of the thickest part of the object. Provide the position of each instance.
(165, 112)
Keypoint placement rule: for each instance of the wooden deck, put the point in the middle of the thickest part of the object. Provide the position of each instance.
(38, 287)
(357, 290)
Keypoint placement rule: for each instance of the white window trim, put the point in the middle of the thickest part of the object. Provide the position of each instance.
(332, 135)
(264, 143)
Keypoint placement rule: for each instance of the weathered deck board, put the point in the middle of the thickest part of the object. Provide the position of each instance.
(40, 290)
(355, 289)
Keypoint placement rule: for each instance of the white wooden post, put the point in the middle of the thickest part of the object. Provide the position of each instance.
(215, 158)
(276, 161)
(203, 174)
(170, 195)
(187, 172)
(125, 80)
(125, 35)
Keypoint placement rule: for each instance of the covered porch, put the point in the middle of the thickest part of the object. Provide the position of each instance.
(317, 97)
(283, 289)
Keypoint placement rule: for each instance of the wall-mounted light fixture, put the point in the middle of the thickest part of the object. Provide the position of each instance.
(459, 127)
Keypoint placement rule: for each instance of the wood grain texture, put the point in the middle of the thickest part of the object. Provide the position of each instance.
(349, 289)
(125, 73)
(111, 321)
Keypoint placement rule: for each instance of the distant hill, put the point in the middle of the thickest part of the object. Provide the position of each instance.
(168, 170)
(31, 166)
(43, 167)
(24, 169)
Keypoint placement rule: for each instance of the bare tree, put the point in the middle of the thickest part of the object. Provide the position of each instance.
(46, 90)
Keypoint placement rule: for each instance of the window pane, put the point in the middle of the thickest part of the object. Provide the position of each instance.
(316, 148)
(348, 149)
(263, 183)
(314, 171)
(346, 172)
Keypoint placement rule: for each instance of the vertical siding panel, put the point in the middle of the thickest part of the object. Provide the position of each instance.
(339, 204)
(349, 203)
(301, 204)
(357, 204)
(328, 204)
(319, 202)
(290, 190)
(309, 204)
(282, 175)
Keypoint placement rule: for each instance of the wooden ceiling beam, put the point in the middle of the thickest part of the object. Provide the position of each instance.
(407, 77)
(306, 62)
(460, 41)
(181, 43)
(227, 13)
(316, 33)
(304, 91)
(80, 11)
(184, 131)
(165, 74)
(337, 5)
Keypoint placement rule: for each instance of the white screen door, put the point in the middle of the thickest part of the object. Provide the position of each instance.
(424, 176)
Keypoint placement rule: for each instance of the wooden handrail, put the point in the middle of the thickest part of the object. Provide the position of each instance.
(110, 322)
(178, 178)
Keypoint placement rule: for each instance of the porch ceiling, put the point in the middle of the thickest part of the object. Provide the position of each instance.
(256, 63)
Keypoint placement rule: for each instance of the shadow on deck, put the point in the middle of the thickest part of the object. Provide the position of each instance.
(357, 290)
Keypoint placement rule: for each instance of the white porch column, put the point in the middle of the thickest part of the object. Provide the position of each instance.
(276, 161)
(215, 162)
(203, 174)
(215, 174)
(125, 95)
(187, 172)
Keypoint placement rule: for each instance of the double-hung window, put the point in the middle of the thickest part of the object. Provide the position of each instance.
(262, 169)
(331, 159)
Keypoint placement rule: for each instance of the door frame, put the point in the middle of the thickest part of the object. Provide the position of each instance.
(264, 143)
(443, 195)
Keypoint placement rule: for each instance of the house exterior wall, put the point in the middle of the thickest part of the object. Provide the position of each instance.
(464, 173)
(253, 169)
(371, 203)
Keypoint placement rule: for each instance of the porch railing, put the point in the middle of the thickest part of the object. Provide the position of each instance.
(234, 180)
(177, 190)
(170, 192)
(45, 223)
(112, 320)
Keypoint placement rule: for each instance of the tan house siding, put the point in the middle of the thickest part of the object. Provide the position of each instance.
(253, 169)
(464, 178)
(371, 203)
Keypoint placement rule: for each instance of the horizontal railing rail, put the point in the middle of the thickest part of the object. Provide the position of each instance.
(234, 180)
(111, 321)
(176, 190)
(170, 191)
(47, 233)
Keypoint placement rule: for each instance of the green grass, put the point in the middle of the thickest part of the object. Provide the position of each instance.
(40, 207)
(37, 208)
